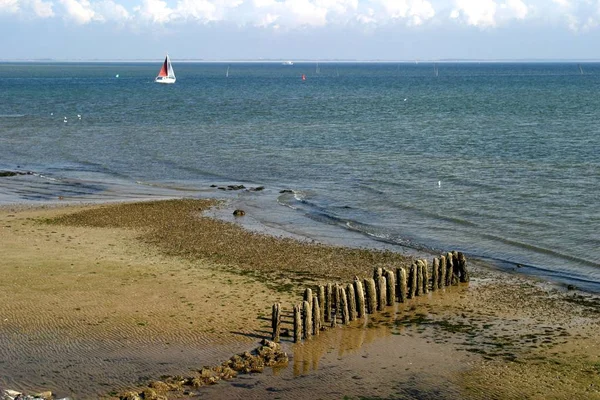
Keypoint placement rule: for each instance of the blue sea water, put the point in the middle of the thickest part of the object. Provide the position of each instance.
(498, 160)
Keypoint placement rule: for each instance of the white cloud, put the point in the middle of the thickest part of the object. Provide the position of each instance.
(517, 8)
(480, 13)
(155, 11)
(42, 9)
(415, 11)
(108, 10)
(79, 11)
(577, 15)
(9, 6)
(489, 13)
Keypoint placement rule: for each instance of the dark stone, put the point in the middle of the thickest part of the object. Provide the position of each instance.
(9, 173)
(213, 185)
(286, 191)
(257, 189)
(239, 213)
(236, 187)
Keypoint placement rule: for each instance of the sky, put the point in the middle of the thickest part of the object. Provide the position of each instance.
(392, 30)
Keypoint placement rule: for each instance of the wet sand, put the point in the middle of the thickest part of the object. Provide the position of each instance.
(98, 299)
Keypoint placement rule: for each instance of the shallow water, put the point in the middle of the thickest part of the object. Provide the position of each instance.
(496, 160)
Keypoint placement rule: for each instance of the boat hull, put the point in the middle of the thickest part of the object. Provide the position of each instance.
(165, 79)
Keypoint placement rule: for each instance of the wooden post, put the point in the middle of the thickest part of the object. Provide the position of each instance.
(371, 294)
(276, 322)
(307, 322)
(449, 269)
(322, 305)
(377, 272)
(381, 294)
(360, 298)
(412, 281)
(443, 271)
(336, 301)
(419, 279)
(425, 276)
(402, 288)
(308, 296)
(328, 300)
(351, 302)
(435, 273)
(455, 272)
(344, 306)
(390, 281)
(316, 314)
(297, 324)
(462, 268)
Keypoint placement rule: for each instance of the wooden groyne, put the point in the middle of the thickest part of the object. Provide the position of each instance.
(336, 304)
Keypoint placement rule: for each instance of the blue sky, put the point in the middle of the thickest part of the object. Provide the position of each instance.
(300, 29)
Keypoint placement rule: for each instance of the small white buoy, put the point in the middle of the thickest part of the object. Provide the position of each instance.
(405, 99)
(51, 113)
(117, 75)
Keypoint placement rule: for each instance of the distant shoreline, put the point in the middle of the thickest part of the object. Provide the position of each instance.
(300, 61)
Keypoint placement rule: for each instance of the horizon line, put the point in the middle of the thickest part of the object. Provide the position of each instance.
(304, 60)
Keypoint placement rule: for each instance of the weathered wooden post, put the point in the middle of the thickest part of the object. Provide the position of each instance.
(419, 270)
(344, 306)
(455, 272)
(276, 322)
(316, 314)
(297, 323)
(462, 268)
(402, 287)
(360, 298)
(449, 269)
(328, 300)
(390, 281)
(371, 294)
(443, 271)
(351, 302)
(377, 272)
(435, 273)
(307, 322)
(381, 294)
(425, 276)
(308, 296)
(322, 305)
(412, 278)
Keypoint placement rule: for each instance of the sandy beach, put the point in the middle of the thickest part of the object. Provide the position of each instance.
(100, 299)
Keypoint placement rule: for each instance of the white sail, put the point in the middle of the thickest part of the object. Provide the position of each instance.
(166, 73)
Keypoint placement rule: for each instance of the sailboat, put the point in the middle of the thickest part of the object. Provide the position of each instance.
(166, 73)
(227, 73)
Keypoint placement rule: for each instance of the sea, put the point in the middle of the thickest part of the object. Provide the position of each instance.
(497, 160)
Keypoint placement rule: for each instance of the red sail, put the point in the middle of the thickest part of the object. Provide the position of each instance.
(163, 70)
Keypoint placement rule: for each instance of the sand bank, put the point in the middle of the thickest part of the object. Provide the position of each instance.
(98, 299)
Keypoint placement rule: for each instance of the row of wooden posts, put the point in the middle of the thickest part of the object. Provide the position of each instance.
(333, 303)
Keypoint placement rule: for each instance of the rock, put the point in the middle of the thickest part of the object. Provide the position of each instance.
(130, 396)
(44, 395)
(286, 191)
(236, 187)
(239, 213)
(151, 394)
(213, 185)
(257, 189)
(160, 386)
